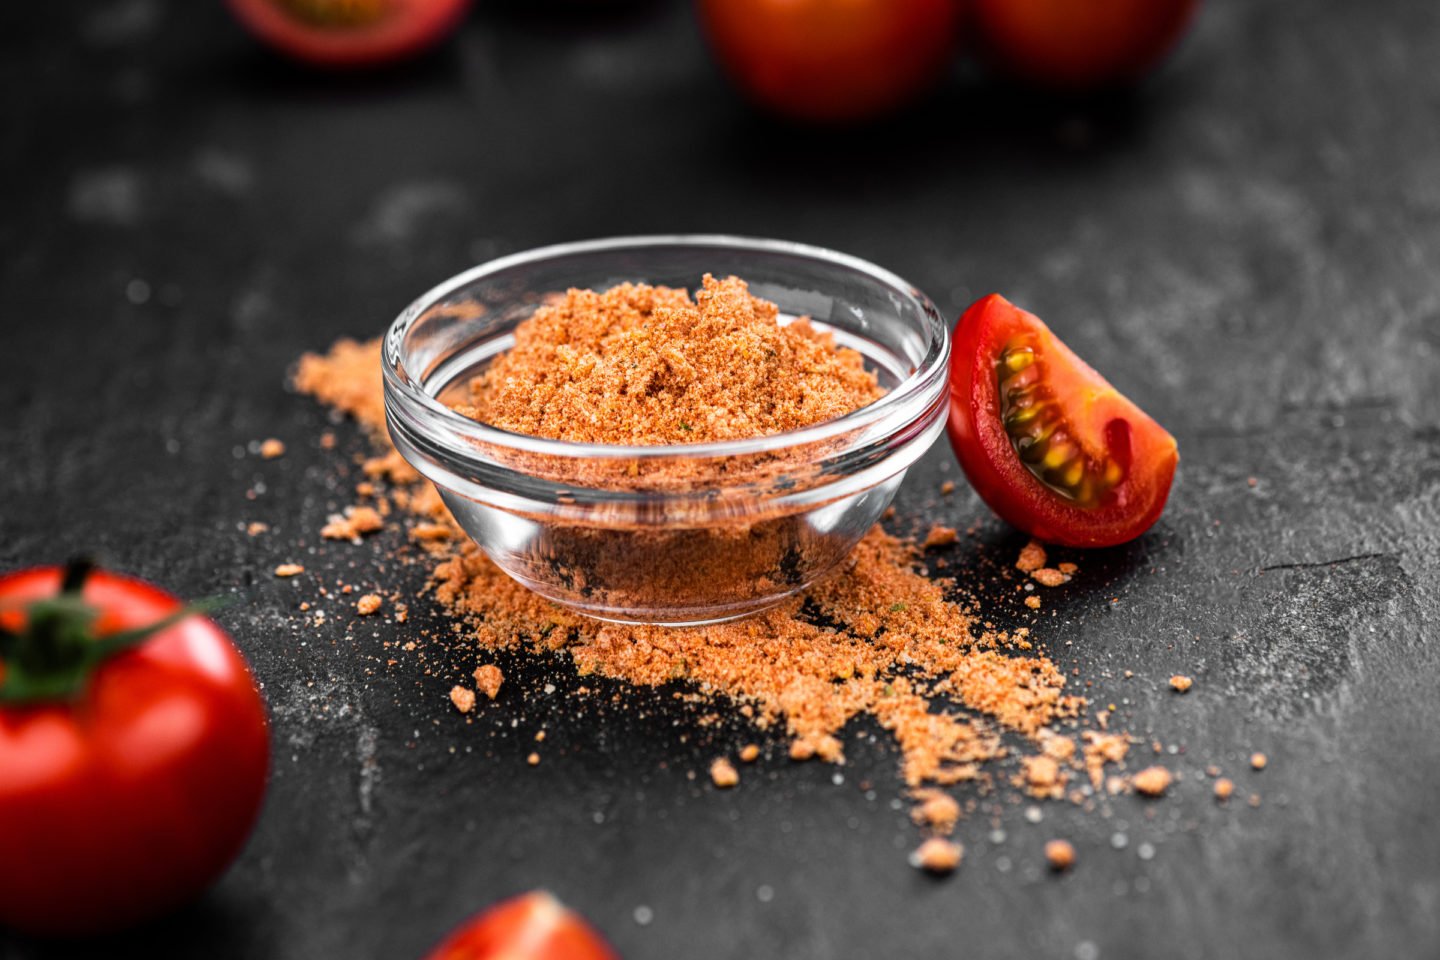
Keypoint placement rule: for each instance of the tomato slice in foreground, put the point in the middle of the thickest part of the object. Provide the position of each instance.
(349, 33)
(1046, 441)
(534, 926)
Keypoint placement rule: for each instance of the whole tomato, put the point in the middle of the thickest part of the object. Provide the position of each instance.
(534, 926)
(1081, 43)
(831, 60)
(133, 751)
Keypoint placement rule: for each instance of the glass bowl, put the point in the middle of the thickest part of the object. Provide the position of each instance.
(683, 533)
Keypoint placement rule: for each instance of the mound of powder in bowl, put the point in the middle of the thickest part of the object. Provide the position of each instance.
(647, 365)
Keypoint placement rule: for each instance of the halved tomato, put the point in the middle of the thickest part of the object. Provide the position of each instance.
(1046, 441)
(535, 926)
(349, 33)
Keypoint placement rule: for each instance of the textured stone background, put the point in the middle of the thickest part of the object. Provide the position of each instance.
(1249, 245)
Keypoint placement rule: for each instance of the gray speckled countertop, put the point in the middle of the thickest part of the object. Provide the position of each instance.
(1249, 245)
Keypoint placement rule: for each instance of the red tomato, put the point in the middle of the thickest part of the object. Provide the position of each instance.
(534, 926)
(128, 783)
(1081, 43)
(831, 59)
(1050, 445)
(350, 33)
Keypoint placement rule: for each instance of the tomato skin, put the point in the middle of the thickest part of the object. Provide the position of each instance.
(534, 926)
(1102, 416)
(831, 60)
(130, 800)
(405, 28)
(1080, 44)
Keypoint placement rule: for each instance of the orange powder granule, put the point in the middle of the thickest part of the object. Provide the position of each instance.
(647, 365)
(938, 856)
(723, 774)
(488, 679)
(940, 536)
(1042, 777)
(1060, 854)
(1152, 781)
(935, 810)
(354, 522)
(463, 698)
(1049, 577)
(1032, 557)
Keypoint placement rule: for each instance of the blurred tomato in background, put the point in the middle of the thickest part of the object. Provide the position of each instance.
(350, 33)
(1080, 44)
(832, 60)
(812, 60)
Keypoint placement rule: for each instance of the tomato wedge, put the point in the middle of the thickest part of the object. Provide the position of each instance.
(349, 33)
(534, 926)
(1046, 441)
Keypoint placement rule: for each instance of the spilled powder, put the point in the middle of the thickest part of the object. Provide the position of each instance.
(879, 639)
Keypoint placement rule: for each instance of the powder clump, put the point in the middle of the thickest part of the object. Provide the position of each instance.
(723, 774)
(463, 698)
(1153, 781)
(1060, 854)
(488, 679)
(352, 524)
(938, 856)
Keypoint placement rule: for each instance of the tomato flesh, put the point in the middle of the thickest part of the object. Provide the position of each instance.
(1081, 43)
(831, 60)
(1046, 441)
(534, 926)
(350, 33)
(131, 799)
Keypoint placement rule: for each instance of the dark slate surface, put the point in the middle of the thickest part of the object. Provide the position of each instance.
(1249, 245)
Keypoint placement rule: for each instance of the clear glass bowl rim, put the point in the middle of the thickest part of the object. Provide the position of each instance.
(401, 386)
